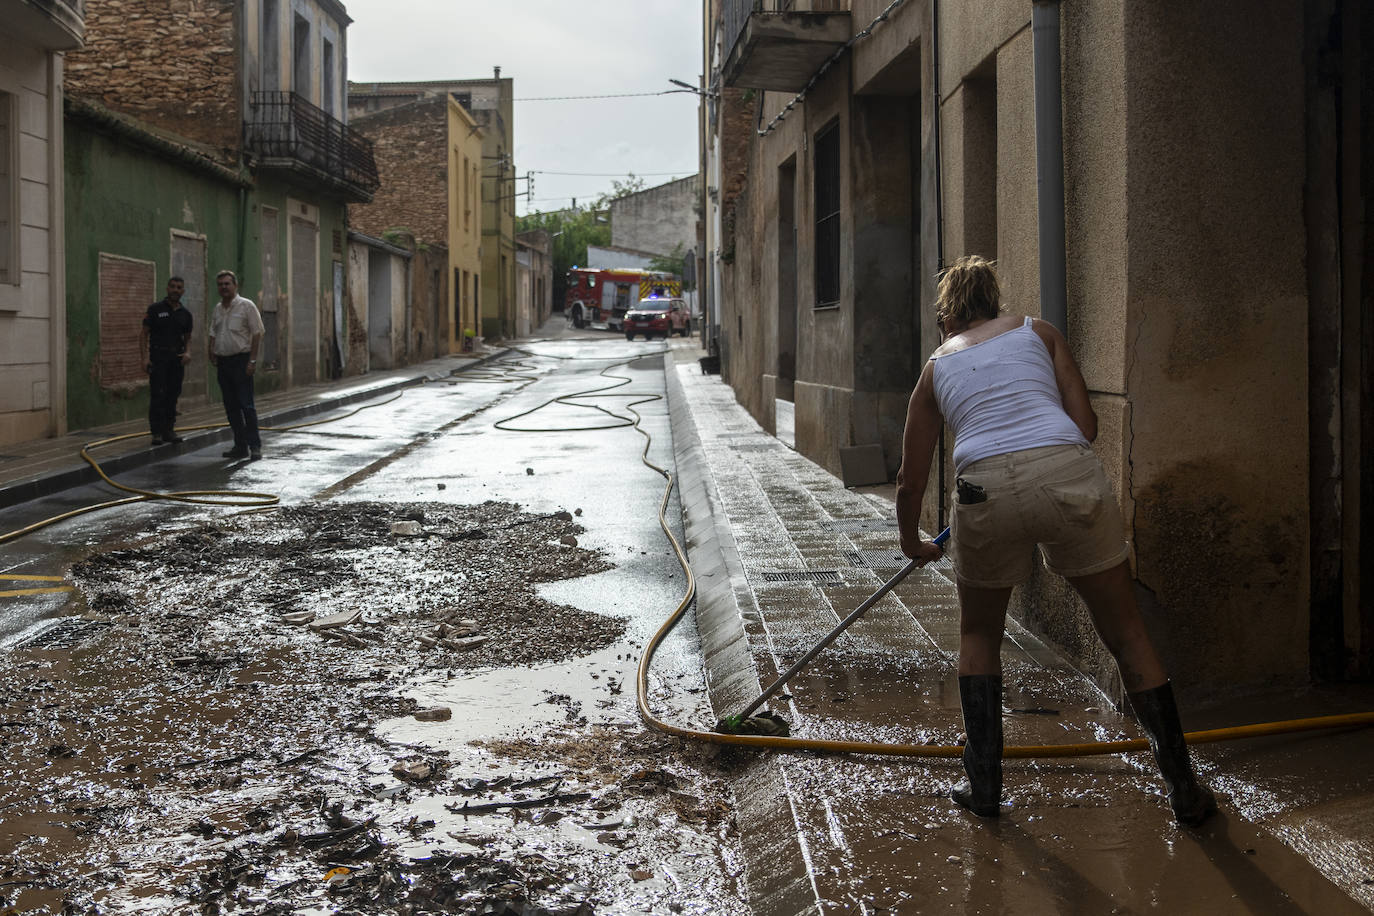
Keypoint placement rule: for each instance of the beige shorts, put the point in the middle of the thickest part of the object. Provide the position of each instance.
(1057, 497)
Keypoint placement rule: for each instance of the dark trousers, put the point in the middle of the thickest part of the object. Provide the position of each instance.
(165, 374)
(236, 387)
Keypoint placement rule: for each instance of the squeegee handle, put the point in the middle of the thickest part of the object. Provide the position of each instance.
(830, 637)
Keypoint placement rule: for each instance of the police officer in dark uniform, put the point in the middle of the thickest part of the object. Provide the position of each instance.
(164, 341)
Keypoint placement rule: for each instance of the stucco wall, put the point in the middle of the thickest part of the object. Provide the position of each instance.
(29, 311)
(1216, 293)
(126, 203)
(1184, 169)
(661, 219)
(465, 221)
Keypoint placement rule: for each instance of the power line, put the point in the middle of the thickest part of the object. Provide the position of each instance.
(615, 174)
(589, 196)
(616, 95)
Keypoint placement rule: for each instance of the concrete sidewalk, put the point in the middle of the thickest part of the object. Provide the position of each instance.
(782, 551)
(41, 467)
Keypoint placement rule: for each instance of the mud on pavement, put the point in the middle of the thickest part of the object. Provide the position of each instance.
(205, 739)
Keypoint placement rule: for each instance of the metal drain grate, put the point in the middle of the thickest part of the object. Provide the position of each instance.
(803, 575)
(876, 559)
(66, 634)
(861, 524)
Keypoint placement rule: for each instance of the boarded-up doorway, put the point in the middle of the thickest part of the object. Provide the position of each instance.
(127, 287)
(379, 348)
(305, 277)
(340, 329)
(270, 356)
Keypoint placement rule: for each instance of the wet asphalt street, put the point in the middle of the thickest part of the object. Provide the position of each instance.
(817, 833)
(493, 432)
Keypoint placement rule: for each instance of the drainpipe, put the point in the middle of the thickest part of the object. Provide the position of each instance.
(57, 250)
(942, 510)
(1049, 163)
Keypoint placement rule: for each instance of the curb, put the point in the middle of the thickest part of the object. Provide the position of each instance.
(776, 873)
(12, 494)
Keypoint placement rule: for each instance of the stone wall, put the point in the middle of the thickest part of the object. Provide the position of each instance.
(171, 63)
(410, 145)
(661, 219)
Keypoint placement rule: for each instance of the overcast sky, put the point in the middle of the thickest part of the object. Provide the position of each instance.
(555, 48)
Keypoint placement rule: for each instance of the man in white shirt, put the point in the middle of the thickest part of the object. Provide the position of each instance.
(235, 335)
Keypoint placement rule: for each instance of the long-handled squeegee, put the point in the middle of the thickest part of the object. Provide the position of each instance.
(770, 723)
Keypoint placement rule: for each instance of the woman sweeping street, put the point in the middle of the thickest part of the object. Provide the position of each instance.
(1025, 475)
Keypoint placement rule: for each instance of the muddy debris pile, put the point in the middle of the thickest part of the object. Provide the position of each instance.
(453, 589)
(216, 733)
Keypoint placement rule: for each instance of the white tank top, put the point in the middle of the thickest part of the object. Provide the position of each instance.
(1000, 396)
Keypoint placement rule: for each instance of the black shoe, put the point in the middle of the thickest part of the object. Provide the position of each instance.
(172, 438)
(1157, 714)
(980, 695)
(255, 454)
(155, 440)
(236, 453)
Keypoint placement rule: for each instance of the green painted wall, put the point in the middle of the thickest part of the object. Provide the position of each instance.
(122, 200)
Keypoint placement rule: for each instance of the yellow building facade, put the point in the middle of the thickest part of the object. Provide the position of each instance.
(465, 139)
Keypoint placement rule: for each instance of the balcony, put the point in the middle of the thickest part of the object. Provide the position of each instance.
(54, 25)
(773, 45)
(289, 134)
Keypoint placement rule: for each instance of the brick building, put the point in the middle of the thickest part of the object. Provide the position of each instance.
(429, 157)
(489, 103)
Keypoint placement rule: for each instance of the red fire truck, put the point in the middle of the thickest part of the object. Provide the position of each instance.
(600, 297)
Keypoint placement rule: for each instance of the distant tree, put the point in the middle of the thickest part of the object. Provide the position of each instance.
(631, 185)
(576, 228)
(572, 231)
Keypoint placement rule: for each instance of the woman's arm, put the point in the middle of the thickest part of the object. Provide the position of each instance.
(923, 422)
(1073, 391)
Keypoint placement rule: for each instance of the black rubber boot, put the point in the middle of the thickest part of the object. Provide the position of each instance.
(1157, 714)
(980, 695)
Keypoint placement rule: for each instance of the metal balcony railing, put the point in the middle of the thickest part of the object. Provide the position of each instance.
(734, 18)
(282, 125)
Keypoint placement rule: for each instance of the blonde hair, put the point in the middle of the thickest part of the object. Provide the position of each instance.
(968, 291)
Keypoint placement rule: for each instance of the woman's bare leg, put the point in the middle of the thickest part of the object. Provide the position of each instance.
(982, 618)
(1110, 597)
